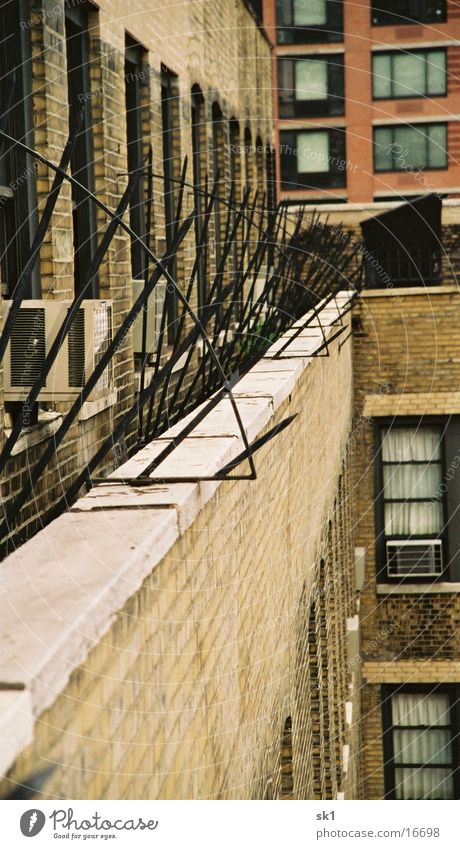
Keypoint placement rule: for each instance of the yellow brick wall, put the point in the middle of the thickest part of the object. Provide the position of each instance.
(239, 627)
(406, 362)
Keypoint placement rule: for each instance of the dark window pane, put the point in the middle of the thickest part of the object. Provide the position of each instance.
(134, 140)
(397, 12)
(18, 213)
(82, 162)
(169, 116)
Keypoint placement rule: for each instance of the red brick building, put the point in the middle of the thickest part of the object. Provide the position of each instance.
(367, 103)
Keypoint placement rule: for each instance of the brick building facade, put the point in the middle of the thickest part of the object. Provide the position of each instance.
(361, 88)
(217, 635)
(159, 79)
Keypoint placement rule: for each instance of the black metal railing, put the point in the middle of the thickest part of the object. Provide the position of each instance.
(283, 267)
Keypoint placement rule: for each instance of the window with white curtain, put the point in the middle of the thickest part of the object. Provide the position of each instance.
(412, 500)
(417, 498)
(311, 86)
(420, 73)
(420, 745)
(305, 21)
(313, 152)
(310, 79)
(412, 478)
(402, 147)
(312, 158)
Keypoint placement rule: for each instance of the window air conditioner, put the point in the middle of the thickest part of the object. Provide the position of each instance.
(414, 558)
(154, 308)
(35, 329)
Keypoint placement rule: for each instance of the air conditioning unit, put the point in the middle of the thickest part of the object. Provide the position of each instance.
(35, 329)
(154, 310)
(414, 558)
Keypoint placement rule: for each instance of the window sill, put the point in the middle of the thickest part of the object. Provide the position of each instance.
(46, 427)
(396, 292)
(92, 408)
(437, 587)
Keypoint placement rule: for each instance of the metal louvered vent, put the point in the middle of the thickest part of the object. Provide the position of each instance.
(414, 557)
(102, 340)
(28, 346)
(76, 361)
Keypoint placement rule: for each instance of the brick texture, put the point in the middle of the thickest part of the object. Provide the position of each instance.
(225, 675)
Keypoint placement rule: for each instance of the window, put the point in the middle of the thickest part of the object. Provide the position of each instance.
(413, 520)
(170, 123)
(218, 166)
(134, 141)
(303, 21)
(395, 12)
(235, 158)
(404, 148)
(248, 163)
(199, 181)
(419, 74)
(18, 204)
(81, 165)
(260, 168)
(421, 743)
(313, 86)
(270, 165)
(235, 192)
(287, 762)
(417, 499)
(312, 158)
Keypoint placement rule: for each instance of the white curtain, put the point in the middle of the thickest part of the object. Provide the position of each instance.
(437, 146)
(421, 446)
(409, 75)
(436, 72)
(310, 79)
(427, 745)
(400, 444)
(381, 75)
(413, 517)
(421, 480)
(424, 784)
(309, 13)
(420, 709)
(312, 152)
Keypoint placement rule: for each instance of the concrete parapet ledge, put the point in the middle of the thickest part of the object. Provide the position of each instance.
(61, 591)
